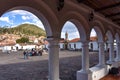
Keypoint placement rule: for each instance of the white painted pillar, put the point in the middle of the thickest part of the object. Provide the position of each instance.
(101, 54)
(84, 73)
(117, 52)
(85, 56)
(53, 49)
(111, 53)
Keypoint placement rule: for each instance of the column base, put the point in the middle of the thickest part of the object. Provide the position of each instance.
(117, 59)
(82, 75)
(110, 62)
(100, 65)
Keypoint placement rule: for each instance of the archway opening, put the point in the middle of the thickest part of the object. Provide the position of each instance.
(93, 48)
(21, 31)
(116, 46)
(110, 47)
(70, 48)
(106, 48)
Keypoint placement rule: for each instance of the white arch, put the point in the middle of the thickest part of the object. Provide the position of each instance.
(81, 30)
(80, 22)
(117, 37)
(110, 36)
(99, 23)
(99, 34)
(40, 9)
(38, 14)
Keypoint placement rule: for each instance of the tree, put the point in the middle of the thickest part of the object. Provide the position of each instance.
(22, 40)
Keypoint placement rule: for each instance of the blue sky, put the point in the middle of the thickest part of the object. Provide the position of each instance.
(17, 17)
(73, 31)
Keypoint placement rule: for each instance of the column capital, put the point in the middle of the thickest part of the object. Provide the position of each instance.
(118, 42)
(101, 42)
(109, 42)
(53, 40)
(85, 42)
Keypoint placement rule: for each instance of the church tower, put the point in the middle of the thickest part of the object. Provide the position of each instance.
(66, 41)
(66, 36)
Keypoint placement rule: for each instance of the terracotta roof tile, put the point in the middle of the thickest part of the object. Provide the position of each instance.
(75, 40)
(94, 38)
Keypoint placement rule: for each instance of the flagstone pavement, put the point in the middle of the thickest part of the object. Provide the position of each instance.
(14, 67)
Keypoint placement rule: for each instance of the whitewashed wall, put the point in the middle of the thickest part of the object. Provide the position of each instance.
(76, 45)
(6, 48)
(29, 46)
(61, 45)
(95, 45)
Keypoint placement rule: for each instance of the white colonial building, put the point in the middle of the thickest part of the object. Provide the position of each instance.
(20, 47)
(75, 44)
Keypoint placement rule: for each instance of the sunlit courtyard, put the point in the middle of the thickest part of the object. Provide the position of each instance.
(13, 66)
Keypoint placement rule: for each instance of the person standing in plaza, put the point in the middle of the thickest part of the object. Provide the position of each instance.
(25, 53)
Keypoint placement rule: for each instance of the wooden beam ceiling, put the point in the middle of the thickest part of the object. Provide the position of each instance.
(108, 7)
(118, 23)
(111, 15)
(118, 19)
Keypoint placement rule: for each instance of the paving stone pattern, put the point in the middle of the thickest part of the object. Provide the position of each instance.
(14, 67)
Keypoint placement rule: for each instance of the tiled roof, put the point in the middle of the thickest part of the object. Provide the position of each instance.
(75, 40)
(94, 38)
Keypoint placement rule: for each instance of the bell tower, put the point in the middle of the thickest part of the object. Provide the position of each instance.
(66, 36)
(66, 41)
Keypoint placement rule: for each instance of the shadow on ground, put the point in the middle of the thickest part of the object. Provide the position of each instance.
(38, 70)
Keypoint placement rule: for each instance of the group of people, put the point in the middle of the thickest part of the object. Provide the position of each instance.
(33, 52)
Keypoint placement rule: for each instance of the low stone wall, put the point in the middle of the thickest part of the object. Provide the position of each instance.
(99, 72)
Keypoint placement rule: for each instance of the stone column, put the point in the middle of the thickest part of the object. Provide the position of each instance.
(84, 73)
(117, 51)
(111, 53)
(101, 54)
(53, 49)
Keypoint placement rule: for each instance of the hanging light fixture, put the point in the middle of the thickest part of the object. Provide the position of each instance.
(91, 16)
(60, 5)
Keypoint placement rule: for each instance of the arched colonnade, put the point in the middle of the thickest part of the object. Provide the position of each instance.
(53, 21)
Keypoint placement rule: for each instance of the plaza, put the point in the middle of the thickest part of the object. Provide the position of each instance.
(13, 66)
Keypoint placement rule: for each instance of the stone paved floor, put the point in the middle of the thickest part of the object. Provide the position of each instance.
(14, 67)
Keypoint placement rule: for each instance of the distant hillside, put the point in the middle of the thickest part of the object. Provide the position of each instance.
(26, 30)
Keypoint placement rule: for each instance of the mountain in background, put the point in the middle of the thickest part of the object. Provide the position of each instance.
(25, 30)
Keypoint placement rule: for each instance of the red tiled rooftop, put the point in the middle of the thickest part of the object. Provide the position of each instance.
(94, 38)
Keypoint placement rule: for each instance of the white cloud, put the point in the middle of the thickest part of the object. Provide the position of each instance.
(6, 19)
(29, 16)
(73, 35)
(25, 17)
(19, 12)
(93, 33)
(71, 29)
(37, 22)
(62, 34)
(70, 35)
(13, 16)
